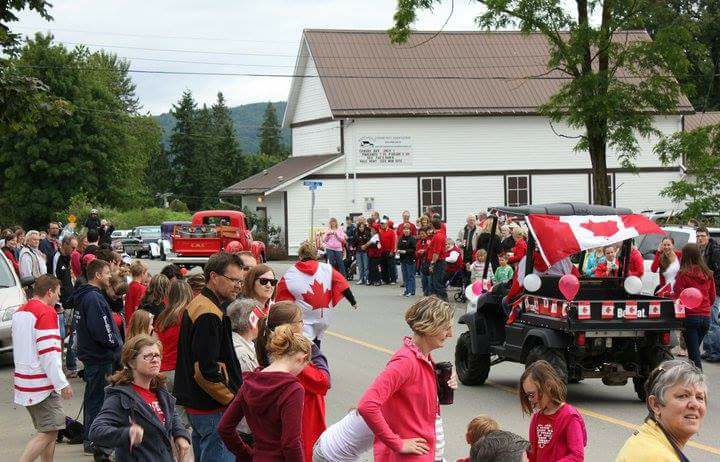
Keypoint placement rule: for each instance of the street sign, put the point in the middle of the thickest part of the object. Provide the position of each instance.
(313, 185)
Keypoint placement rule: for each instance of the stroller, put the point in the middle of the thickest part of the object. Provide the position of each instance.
(459, 279)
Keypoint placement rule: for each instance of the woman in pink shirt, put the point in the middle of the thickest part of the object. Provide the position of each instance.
(401, 406)
(334, 239)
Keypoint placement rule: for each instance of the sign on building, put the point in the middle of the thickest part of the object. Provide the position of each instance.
(384, 150)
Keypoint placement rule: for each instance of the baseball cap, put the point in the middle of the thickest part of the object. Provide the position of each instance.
(93, 211)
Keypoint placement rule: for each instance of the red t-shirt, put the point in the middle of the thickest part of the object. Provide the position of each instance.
(169, 339)
(388, 240)
(437, 246)
(135, 293)
(401, 228)
(151, 399)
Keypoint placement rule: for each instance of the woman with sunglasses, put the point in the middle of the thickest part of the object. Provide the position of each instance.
(259, 285)
(138, 417)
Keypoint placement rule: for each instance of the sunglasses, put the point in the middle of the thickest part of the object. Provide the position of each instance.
(266, 281)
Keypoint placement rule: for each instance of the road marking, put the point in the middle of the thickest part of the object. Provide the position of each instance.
(513, 391)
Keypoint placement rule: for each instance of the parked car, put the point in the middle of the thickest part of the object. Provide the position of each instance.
(117, 237)
(166, 231)
(648, 245)
(143, 241)
(605, 332)
(211, 231)
(12, 297)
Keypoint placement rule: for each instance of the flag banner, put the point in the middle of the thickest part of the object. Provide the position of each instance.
(679, 309)
(607, 310)
(545, 307)
(559, 237)
(654, 310)
(554, 309)
(631, 310)
(583, 310)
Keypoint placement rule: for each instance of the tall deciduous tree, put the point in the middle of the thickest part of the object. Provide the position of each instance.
(610, 110)
(270, 136)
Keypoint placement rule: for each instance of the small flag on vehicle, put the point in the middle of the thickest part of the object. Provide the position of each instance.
(679, 309)
(554, 309)
(631, 310)
(583, 310)
(564, 309)
(607, 310)
(654, 310)
(545, 307)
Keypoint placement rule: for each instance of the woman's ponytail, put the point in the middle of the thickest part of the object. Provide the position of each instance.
(284, 342)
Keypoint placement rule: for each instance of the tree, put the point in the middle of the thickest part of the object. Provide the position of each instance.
(94, 146)
(184, 150)
(610, 109)
(699, 188)
(232, 165)
(270, 137)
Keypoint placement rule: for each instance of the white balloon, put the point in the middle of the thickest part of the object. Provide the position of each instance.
(532, 282)
(633, 285)
(469, 292)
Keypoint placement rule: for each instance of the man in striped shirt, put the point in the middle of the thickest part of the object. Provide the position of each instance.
(38, 378)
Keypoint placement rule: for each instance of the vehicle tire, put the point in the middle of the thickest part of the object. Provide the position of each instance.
(654, 358)
(163, 257)
(472, 369)
(555, 357)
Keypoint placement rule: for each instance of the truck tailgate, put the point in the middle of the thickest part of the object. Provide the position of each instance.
(197, 246)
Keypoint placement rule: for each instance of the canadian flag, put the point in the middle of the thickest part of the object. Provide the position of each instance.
(631, 310)
(654, 310)
(559, 237)
(679, 309)
(583, 310)
(545, 307)
(607, 310)
(554, 309)
(564, 309)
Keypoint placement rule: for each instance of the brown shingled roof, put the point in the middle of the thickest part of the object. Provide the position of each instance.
(291, 169)
(700, 120)
(455, 73)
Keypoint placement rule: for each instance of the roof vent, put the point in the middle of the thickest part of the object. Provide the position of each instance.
(280, 177)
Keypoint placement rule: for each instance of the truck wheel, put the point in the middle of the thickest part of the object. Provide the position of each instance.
(654, 358)
(472, 369)
(554, 357)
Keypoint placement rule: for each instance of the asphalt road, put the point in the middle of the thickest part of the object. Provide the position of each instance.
(359, 344)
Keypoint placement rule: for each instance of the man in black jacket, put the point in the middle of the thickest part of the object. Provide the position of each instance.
(711, 253)
(49, 246)
(207, 374)
(61, 267)
(98, 344)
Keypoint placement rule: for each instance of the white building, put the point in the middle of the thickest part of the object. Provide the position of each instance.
(451, 124)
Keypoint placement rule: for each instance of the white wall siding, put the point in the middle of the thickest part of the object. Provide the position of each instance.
(642, 192)
(316, 139)
(467, 195)
(311, 101)
(485, 143)
(559, 188)
(275, 209)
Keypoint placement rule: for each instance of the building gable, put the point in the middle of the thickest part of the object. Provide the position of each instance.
(307, 100)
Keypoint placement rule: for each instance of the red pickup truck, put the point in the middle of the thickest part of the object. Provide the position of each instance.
(209, 232)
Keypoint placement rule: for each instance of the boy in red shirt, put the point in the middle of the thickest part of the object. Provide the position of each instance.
(436, 257)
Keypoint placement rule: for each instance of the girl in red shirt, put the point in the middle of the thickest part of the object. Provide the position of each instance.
(557, 430)
(610, 267)
(167, 326)
(136, 288)
(520, 248)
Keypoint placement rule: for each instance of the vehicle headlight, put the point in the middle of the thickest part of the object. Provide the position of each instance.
(8, 313)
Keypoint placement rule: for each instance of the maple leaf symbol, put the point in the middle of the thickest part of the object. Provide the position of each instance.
(317, 296)
(601, 228)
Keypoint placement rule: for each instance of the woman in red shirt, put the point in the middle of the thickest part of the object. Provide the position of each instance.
(667, 264)
(401, 406)
(136, 288)
(167, 326)
(557, 430)
(314, 378)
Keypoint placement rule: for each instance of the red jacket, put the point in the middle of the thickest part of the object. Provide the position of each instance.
(602, 270)
(558, 437)
(272, 403)
(421, 249)
(135, 294)
(316, 383)
(452, 268)
(519, 250)
(374, 251)
(388, 240)
(655, 267)
(169, 339)
(637, 264)
(705, 284)
(399, 230)
(402, 403)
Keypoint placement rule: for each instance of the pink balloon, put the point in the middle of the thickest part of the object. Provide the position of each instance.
(569, 286)
(691, 297)
(477, 287)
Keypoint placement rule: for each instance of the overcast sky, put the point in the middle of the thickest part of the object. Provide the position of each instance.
(267, 31)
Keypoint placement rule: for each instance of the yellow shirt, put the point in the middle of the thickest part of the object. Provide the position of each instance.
(648, 444)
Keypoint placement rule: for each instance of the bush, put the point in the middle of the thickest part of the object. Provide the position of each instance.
(80, 206)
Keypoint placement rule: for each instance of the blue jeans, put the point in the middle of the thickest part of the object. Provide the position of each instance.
(696, 327)
(408, 275)
(711, 344)
(335, 258)
(438, 280)
(95, 383)
(425, 280)
(363, 264)
(207, 445)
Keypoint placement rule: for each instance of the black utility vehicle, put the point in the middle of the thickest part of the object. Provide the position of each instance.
(548, 327)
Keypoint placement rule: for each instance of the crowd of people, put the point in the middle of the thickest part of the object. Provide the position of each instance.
(227, 364)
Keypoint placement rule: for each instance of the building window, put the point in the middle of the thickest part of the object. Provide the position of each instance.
(611, 188)
(517, 190)
(432, 195)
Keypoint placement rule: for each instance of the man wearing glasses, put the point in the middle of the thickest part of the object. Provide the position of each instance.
(207, 374)
(711, 253)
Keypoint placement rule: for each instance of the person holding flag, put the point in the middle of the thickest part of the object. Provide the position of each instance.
(317, 287)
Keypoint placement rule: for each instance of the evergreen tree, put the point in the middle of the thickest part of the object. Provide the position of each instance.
(270, 139)
(232, 165)
(184, 146)
(209, 171)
